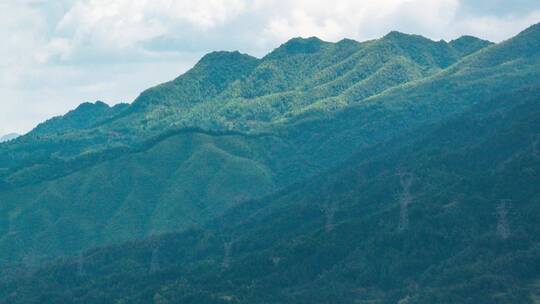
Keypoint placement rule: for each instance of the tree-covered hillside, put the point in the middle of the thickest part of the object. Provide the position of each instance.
(397, 170)
(447, 215)
(302, 144)
(236, 92)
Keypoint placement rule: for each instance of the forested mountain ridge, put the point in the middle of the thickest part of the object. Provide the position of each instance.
(94, 136)
(85, 116)
(258, 92)
(372, 171)
(445, 216)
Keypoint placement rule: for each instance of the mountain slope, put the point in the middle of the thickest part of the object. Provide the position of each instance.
(84, 116)
(448, 215)
(231, 91)
(210, 76)
(111, 170)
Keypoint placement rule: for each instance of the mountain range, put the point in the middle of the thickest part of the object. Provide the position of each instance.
(396, 170)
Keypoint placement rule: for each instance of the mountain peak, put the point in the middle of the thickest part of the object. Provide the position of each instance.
(404, 39)
(221, 67)
(219, 62)
(220, 57)
(396, 35)
(466, 45)
(85, 115)
(299, 45)
(210, 76)
(347, 42)
(88, 106)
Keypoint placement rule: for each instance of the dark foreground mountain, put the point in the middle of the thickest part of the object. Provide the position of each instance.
(395, 170)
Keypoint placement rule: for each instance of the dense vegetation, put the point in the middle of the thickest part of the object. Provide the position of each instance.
(399, 170)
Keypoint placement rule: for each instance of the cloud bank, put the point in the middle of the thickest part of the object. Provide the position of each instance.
(57, 54)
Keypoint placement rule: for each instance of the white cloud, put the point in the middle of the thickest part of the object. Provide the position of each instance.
(124, 23)
(357, 19)
(361, 20)
(496, 28)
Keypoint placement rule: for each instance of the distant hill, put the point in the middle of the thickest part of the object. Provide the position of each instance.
(397, 170)
(84, 116)
(8, 137)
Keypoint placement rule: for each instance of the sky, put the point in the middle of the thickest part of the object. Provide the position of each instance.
(57, 54)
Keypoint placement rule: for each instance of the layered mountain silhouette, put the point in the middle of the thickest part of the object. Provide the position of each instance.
(397, 170)
(8, 137)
